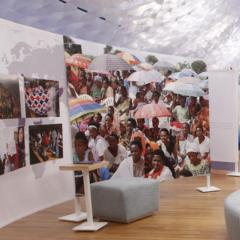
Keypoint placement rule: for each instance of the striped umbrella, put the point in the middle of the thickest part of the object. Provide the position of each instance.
(129, 58)
(108, 62)
(152, 110)
(81, 107)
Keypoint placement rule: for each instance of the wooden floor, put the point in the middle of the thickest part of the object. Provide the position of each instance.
(184, 214)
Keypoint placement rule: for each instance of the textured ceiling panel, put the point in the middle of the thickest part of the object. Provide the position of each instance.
(203, 28)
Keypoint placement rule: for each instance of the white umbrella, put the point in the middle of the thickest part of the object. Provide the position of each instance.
(108, 62)
(145, 77)
(189, 80)
(186, 72)
(174, 76)
(184, 89)
(164, 66)
(204, 84)
(203, 75)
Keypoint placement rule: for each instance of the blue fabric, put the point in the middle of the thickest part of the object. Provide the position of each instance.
(104, 173)
(126, 84)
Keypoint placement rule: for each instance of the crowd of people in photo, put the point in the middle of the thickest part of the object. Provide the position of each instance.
(9, 103)
(15, 158)
(45, 143)
(162, 148)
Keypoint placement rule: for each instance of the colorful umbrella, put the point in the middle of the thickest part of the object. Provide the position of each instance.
(108, 62)
(129, 58)
(152, 110)
(80, 107)
(78, 60)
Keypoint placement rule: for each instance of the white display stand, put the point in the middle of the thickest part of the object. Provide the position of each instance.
(236, 173)
(89, 225)
(208, 188)
(224, 124)
(78, 216)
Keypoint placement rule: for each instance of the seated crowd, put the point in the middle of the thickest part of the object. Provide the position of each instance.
(156, 148)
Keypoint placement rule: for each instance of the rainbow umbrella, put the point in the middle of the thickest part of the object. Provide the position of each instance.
(129, 58)
(81, 107)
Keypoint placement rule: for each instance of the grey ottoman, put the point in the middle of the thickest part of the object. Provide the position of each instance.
(125, 200)
(232, 215)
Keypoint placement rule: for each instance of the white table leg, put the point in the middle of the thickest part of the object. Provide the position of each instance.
(78, 216)
(208, 188)
(90, 225)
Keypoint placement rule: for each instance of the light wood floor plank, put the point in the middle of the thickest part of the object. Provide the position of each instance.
(184, 214)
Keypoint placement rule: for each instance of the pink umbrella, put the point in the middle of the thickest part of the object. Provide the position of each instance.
(78, 60)
(153, 110)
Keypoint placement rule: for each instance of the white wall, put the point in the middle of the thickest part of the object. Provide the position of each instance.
(223, 99)
(34, 53)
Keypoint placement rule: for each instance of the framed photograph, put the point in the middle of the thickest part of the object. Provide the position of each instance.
(12, 149)
(45, 143)
(10, 106)
(41, 98)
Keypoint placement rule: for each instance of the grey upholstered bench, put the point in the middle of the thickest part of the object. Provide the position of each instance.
(125, 200)
(232, 215)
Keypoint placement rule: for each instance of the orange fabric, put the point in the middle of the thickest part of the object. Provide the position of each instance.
(155, 174)
(140, 135)
(153, 145)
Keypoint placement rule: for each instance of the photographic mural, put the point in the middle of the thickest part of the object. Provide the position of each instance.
(124, 102)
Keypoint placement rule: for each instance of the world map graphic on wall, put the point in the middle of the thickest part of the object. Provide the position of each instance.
(24, 56)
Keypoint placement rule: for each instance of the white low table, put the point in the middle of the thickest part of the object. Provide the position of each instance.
(89, 225)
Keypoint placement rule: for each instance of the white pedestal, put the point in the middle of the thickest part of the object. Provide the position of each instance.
(208, 189)
(78, 216)
(89, 225)
(94, 226)
(234, 174)
(74, 217)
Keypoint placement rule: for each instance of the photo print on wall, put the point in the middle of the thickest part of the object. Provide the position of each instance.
(41, 98)
(12, 149)
(10, 106)
(45, 142)
(160, 100)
